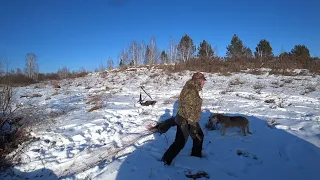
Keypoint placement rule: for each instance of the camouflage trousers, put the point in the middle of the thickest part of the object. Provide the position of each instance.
(184, 130)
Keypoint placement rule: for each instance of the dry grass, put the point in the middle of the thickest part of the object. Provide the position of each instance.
(10, 138)
(104, 74)
(236, 81)
(6, 111)
(96, 101)
(31, 96)
(255, 72)
(96, 107)
(225, 67)
(55, 93)
(154, 75)
(258, 86)
(308, 89)
(287, 81)
(55, 84)
(16, 80)
(283, 72)
(12, 143)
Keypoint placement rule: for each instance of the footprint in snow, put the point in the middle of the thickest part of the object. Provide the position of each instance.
(118, 123)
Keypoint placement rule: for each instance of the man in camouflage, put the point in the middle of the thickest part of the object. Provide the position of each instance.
(186, 120)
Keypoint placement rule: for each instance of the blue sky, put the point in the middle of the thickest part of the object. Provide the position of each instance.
(79, 33)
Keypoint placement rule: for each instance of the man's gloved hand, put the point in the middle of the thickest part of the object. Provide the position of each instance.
(152, 128)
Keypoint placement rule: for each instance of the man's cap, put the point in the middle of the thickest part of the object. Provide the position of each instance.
(198, 75)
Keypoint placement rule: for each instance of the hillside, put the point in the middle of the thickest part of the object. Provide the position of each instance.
(111, 141)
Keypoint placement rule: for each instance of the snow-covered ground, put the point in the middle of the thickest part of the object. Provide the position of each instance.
(112, 142)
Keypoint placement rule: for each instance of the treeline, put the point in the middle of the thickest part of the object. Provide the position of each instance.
(186, 55)
(31, 74)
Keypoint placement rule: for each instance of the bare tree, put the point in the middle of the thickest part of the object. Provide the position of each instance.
(147, 56)
(1, 67)
(164, 58)
(6, 93)
(101, 67)
(63, 73)
(134, 53)
(142, 52)
(12, 71)
(18, 71)
(4, 66)
(31, 68)
(124, 57)
(154, 52)
(110, 63)
(215, 50)
(5, 103)
(172, 51)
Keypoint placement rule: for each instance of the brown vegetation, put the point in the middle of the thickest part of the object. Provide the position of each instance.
(96, 101)
(222, 66)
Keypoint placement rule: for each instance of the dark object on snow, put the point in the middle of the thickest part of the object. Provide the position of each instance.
(246, 154)
(197, 175)
(269, 101)
(146, 103)
(31, 96)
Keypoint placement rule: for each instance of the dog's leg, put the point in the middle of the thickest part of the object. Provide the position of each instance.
(248, 131)
(243, 130)
(223, 131)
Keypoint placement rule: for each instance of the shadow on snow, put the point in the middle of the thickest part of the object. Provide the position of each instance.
(40, 174)
(269, 153)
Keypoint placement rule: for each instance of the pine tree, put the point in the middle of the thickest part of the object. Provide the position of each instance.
(247, 53)
(186, 48)
(147, 56)
(164, 57)
(263, 50)
(121, 64)
(110, 63)
(237, 50)
(300, 51)
(205, 49)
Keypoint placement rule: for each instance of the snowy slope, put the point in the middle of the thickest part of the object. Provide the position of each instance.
(112, 142)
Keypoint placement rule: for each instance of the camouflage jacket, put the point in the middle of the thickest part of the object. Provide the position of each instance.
(190, 102)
